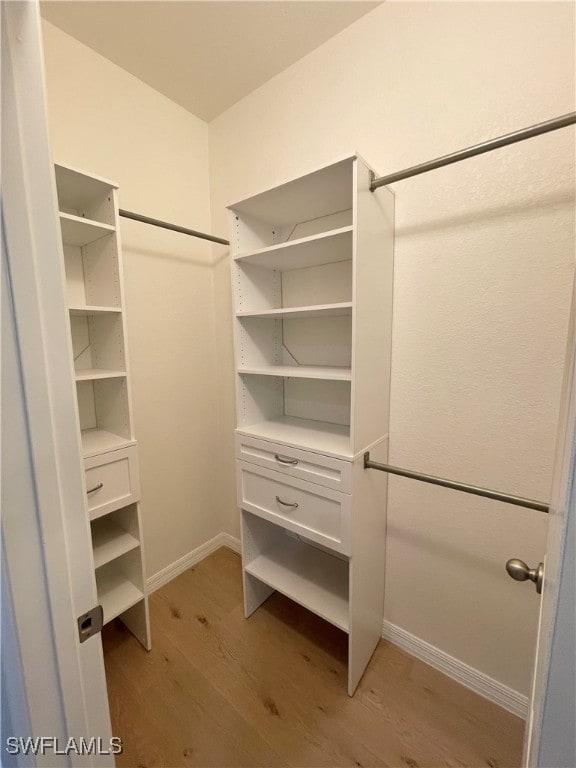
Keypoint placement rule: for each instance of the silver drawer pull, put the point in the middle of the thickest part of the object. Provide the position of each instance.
(292, 504)
(284, 460)
(96, 488)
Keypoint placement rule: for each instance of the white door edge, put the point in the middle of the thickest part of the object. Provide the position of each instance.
(547, 702)
(44, 526)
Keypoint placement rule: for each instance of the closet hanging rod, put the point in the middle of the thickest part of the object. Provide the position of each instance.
(479, 149)
(518, 501)
(173, 227)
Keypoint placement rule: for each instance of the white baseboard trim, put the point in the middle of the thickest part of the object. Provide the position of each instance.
(476, 681)
(187, 561)
(231, 542)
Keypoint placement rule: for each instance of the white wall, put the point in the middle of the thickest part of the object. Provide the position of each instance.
(484, 259)
(105, 121)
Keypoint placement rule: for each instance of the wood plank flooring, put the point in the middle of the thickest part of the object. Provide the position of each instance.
(220, 691)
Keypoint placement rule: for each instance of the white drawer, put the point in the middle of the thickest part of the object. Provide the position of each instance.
(324, 470)
(320, 514)
(112, 481)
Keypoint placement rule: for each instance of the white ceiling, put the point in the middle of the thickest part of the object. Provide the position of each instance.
(206, 55)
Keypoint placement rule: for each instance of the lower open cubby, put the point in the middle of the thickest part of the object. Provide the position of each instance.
(114, 535)
(276, 559)
(120, 587)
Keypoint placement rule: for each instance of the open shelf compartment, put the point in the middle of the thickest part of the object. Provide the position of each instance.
(96, 441)
(119, 584)
(307, 574)
(114, 535)
(257, 289)
(104, 415)
(93, 274)
(296, 410)
(85, 196)
(318, 343)
(78, 231)
(310, 205)
(98, 345)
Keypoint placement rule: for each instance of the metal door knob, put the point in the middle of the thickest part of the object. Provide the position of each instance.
(519, 571)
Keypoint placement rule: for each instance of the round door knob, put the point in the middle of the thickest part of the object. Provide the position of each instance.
(519, 571)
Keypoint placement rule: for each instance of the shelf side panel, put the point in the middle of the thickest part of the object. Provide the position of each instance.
(74, 268)
(257, 537)
(86, 404)
(102, 272)
(132, 565)
(367, 564)
(372, 312)
(137, 620)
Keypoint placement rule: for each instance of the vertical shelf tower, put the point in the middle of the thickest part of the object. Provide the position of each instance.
(312, 271)
(94, 284)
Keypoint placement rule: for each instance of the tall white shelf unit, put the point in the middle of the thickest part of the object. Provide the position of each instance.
(312, 270)
(94, 285)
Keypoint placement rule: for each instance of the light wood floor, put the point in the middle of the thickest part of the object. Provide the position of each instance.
(219, 690)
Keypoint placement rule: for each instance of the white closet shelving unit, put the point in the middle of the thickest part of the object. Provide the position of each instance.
(312, 264)
(94, 282)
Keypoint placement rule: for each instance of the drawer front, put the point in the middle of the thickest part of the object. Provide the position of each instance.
(314, 467)
(112, 481)
(320, 514)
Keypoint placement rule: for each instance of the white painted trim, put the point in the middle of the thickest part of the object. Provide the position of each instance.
(191, 558)
(465, 675)
(231, 542)
(46, 534)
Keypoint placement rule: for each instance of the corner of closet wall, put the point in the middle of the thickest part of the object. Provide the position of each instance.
(106, 122)
(475, 314)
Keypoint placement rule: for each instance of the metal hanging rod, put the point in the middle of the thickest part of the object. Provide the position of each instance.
(487, 146)
(173, 227)
(511, 138)
(518, 501)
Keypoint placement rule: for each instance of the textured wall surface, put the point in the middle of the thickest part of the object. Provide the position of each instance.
(105, 121)
(484, 262)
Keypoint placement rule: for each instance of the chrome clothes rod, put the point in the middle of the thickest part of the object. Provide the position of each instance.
(527, 133)
(479, 149)
(475, 490)
(173, 227)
